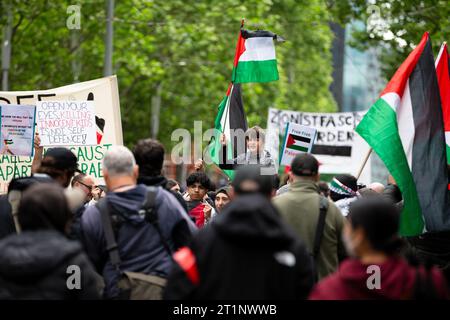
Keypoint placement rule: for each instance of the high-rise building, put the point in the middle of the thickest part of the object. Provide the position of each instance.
(357, 81)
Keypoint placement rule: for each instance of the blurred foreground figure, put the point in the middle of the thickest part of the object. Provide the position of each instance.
(376, 269)
(246, 252)
(34, 264)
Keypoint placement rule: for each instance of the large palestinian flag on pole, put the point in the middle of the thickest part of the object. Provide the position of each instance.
(255, 59)
(443, 76)
(405, 128)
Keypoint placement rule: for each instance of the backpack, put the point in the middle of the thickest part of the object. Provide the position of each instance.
(134, 285)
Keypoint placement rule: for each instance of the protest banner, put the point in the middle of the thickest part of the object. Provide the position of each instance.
(17, 130)
(297, 139)
(337, 147)
(66, 123)
(104, 92)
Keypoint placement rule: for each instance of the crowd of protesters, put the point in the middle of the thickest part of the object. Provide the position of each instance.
(143, 236)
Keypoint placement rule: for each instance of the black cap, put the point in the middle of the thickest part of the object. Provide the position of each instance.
(63, 159)
(305, 164)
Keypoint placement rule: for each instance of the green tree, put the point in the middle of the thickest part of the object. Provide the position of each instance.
(395, 27)
(178, 51)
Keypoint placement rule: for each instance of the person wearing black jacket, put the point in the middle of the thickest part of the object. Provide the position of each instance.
(247, 252)
(149, 155)
(36, 264)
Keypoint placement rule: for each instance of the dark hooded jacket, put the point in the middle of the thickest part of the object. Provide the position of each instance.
(247, 252)
(34, 265)
(140, 246)
(398, 281)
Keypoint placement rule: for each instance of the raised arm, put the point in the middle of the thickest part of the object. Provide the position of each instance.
(38, 153)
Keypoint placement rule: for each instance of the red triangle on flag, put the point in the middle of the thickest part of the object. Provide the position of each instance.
(290, 141)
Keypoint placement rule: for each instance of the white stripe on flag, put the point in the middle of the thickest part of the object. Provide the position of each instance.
(441, 51)
(301, 144)
(225, 120)
(405, 121)
(258, 49)
(447, 137)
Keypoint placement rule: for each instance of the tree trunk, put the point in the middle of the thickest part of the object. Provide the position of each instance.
(107, 70)
(6, 48)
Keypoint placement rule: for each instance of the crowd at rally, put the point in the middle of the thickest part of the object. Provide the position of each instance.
(142, 236)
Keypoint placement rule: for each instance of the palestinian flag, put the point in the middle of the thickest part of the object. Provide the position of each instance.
(255, 59)
(8, 141)
(405, 128)
(230, 117)
(443, 76)
(298, 143)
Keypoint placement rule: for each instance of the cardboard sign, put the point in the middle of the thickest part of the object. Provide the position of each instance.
(337, 146)
(66, 123)
(297, 139)
(17, 130)
(104, 93)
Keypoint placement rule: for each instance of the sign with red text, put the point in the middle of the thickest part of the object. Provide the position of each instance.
(66, 123)
(105, 95)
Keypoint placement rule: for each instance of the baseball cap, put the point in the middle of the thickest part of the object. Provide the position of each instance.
(63, 159)
(305, 164)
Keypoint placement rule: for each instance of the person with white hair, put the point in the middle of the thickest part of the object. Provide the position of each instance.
(145, 245)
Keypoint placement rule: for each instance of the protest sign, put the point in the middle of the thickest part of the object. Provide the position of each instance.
(337, 146)
(17, 130)
(66, 123)
(104, 93)
(297, 139)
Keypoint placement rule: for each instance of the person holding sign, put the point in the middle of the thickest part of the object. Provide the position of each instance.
(255, 153)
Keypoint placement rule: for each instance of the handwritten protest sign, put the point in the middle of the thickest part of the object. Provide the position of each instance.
(337, 146)
(104, 93)
(17, 130)
(66, 123)
(297, 139)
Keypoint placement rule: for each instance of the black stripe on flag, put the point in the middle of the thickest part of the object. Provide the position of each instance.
(237, 117)
(300, 138)
(255, 34)
(429, 166)
(327, 150)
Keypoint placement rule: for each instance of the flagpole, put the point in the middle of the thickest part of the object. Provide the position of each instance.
(364, 163)
(232, 87)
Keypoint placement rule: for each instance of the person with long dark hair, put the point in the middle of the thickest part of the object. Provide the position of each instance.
(37, 263)
(376, 269)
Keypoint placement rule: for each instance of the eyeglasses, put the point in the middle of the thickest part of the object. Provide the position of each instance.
(87, 186)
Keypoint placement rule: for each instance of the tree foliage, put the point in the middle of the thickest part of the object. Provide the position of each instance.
(184, 47)
(395, 27)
